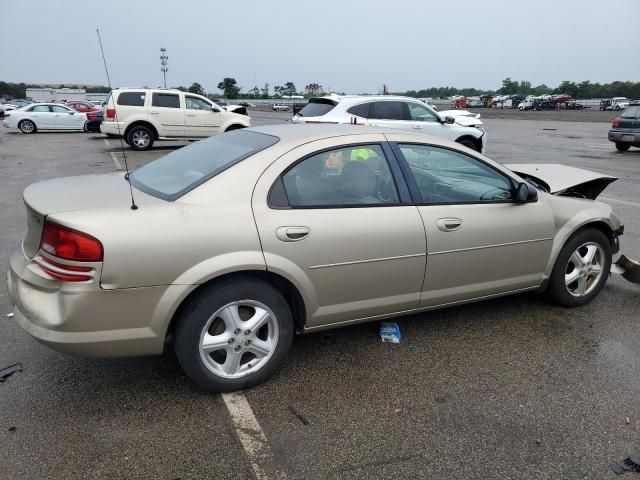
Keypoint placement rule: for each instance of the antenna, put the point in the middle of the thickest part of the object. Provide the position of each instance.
(124, 155)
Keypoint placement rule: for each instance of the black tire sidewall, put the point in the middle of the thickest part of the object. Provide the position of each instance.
(135, 129)
(469, 144)
(557, 289)
(622, 147)
(199, 309)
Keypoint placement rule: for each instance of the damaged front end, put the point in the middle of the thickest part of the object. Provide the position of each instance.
(565, 181)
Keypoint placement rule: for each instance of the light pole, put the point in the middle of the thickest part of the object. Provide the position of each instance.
(163, 64)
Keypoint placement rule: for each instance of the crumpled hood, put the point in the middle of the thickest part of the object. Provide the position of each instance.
(563, 180)
(463, 117)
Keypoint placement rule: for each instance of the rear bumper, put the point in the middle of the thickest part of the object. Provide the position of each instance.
(113, 128)
(631, 136)
(83, 319)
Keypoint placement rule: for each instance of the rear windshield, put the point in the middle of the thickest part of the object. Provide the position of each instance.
(317, 107)
(631, 112)
(181, 171)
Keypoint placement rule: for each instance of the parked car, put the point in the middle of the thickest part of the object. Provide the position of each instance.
(20, 102)
(391, 111)
(44, 116)
(279, 107)
(95, 115)
(476, 104)
(572, 105)
(459, 102)
(144, 115)
(6, 108)
(240, 109)
(605, 104)
(81, 106)
(245, 238)
(619, 103)
(97, 103)
(625, 128)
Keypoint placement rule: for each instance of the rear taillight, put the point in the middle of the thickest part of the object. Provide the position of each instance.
(69, 244)
(91, 116)
(111, 113)
(6, 114)
(615, 122)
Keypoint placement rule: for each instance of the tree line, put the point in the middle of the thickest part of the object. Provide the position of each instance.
(581, 90)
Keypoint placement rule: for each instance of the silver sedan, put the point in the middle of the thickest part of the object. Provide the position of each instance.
(235, 243)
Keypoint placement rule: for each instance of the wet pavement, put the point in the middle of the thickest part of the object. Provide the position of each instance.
(509, 388)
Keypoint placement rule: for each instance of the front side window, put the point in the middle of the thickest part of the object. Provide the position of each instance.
(132, 99)
(446, 176)
(167, 100)
(181, 171)
(388, 111)
(418, 113)
(194, 103)
(349, 176)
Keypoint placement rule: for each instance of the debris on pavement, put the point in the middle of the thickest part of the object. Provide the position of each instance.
(7, 372)
(389, 332)
(629, 269)
(300, 416)
(629, 464)
(10, 315)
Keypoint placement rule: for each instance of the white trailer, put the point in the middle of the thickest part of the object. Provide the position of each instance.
(56, 94)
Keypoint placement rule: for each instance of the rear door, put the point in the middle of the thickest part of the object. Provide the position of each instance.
(479, 241)
(42, 115)
(342, 229)
(167, 111)
(200, 119)
(390, 114)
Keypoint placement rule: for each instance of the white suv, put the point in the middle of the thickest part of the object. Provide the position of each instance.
(144, 115)
(396, 112)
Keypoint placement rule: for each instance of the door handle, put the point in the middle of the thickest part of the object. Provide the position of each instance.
(449, 224)
(292, 234)
(191, 114)
(418, 127)
(153, 112)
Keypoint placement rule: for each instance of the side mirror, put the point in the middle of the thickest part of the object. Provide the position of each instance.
(215, 109)
(525, 193)
(449, 120)
(72, 113)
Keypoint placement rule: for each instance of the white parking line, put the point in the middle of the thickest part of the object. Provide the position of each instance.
(252, 437)
(624, 202)
(114, 157)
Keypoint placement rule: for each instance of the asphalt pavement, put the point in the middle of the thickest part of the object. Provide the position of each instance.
(505, 389)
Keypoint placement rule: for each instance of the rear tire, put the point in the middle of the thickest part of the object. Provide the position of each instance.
(581, 269)
(27, 126)
(140, 138)
(216, 342)
(622, 147)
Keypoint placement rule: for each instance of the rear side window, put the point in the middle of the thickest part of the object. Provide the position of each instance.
(40, 108)
(360, 110)
(133, 99)
(388, 111)
(181, 171)
(167, 100)
(317, 108)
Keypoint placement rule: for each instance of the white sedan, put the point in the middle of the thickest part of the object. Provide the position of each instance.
(44, 116)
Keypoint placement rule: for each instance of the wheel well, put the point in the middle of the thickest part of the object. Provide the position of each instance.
(602, 226)
(235, 126)
(284, 286)
(144, 124)
(476, 141)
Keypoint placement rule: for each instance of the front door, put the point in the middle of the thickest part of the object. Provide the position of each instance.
(65, 118)
(200, 119)
(166, 111)
(479, 241)
(424, 120)
(335, 221)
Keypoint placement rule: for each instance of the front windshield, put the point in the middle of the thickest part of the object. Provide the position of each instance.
(181, 171)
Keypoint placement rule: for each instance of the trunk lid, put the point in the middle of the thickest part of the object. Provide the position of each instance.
(563, 180)
(86, 192)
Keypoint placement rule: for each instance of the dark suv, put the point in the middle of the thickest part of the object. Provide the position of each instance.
(625, 129)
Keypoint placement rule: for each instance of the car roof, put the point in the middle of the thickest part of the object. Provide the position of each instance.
(301, 133)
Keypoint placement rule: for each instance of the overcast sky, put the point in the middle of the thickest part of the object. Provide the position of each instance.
(346, 45)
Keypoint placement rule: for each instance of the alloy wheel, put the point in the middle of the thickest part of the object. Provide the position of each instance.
(141, 139)
(27, 127)
(238, 339)
(584, 269)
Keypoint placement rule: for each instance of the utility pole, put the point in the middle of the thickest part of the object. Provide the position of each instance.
(163, 64)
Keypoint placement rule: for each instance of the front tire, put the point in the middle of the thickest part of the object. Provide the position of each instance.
(140, 138)
(27, 126)
(234, 335)
(622, 147)
(469, 144)
(581, 269)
